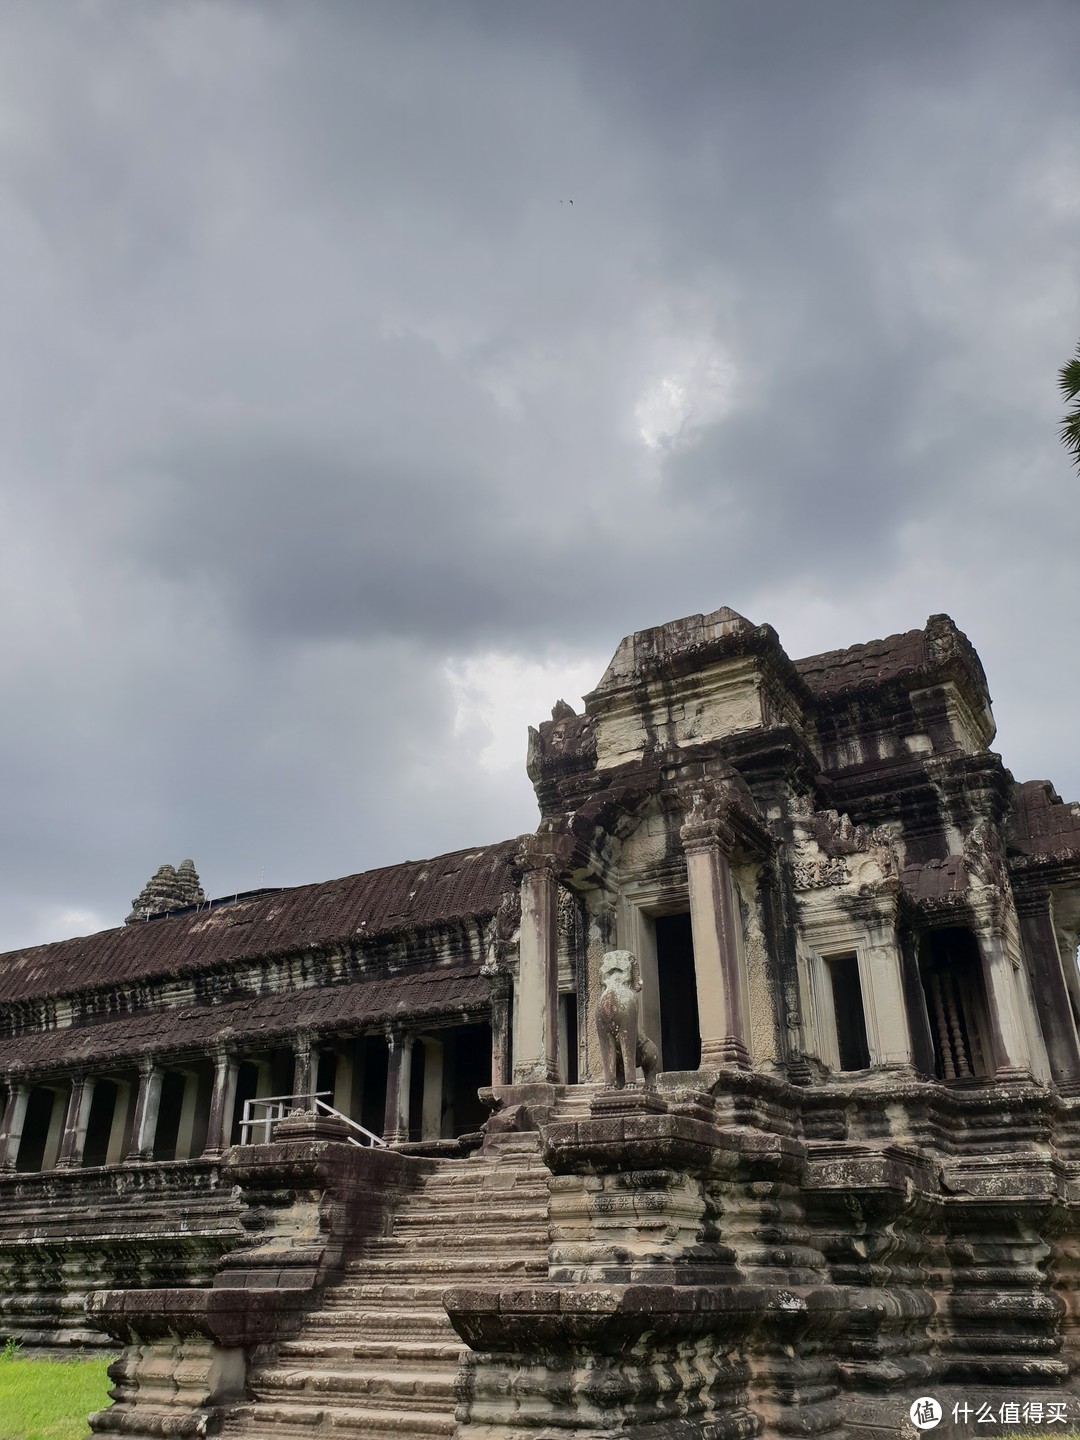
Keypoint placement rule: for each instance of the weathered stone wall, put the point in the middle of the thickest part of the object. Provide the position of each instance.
(67, 1232)
(757, 1254)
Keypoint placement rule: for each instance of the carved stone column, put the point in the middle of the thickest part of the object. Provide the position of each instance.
(1053, 1002)
(1010, 1044)
(536, 1002)
(305, 1065)
(432, 1103)
(398, 1080)
(144, 1125)
(73, 1141)
(881, 980)
(500, 1030)
(717, 954)
(11, 1127)
(222, 1100)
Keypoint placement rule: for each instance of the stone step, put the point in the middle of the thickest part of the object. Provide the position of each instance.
(419, 1293)
(418, 1389)
(379, 1358)
(379, 1323)
(510, 1177)
(437, 1272)
(455, 1268)
(340, 1353)
(278, 1421)
(451, 1189)
(477, 1242)
(500, 1219)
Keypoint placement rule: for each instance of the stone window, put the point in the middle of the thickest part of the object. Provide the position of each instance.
(951, 973)
(840, 1025)
(848, 1013)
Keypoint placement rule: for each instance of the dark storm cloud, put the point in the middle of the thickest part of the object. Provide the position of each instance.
(316, 382)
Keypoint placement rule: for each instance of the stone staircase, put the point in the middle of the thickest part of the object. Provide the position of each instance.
(380, 1359)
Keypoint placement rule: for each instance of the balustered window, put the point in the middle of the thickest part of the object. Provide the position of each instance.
(951, 971)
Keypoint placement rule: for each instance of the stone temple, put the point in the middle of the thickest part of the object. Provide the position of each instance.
(340, 1159)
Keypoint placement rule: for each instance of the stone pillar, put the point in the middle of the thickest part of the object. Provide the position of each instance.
(721, 993)
(222, 1102)
(78, 1113)
(144, 1126)
(500, 1030)
(1049, 986)
(536, 1003)
(398, 1078)
(305, 1067)
(431, 1110)
(1009, 1042)
(881, 979)
(11, 1127)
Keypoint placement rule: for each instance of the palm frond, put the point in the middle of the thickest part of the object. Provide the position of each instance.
(1069, 379)
(1069, 385)
(1070, 433)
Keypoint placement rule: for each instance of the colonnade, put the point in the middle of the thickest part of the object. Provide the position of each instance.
(204, 1094)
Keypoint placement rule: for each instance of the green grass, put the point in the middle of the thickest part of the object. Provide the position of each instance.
(49, 1399)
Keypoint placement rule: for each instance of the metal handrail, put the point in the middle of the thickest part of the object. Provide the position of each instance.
(276, 1107)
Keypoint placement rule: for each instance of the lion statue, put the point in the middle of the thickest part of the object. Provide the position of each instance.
(622, 1045)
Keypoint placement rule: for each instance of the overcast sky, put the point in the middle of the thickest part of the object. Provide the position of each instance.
(337, 443)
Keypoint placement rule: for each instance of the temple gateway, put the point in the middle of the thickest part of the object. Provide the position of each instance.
(341, 1159)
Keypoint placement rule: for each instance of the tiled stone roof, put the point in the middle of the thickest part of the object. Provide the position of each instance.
(1043, 826)
(251, 1021)
(417, 894)
(877, 662)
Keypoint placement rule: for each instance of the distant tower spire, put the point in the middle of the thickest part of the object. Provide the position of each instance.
(167, 889)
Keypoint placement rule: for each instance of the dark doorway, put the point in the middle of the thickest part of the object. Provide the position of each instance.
(169, 1111)
(35, 1135)
(282, 1071)
(326, 1075)
(680, 1033)
(849, 1013)
(247, 1084)
(466, 1068)
(373, 1054)
(99, 1125)
(416, 1090)
(568, 1037)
